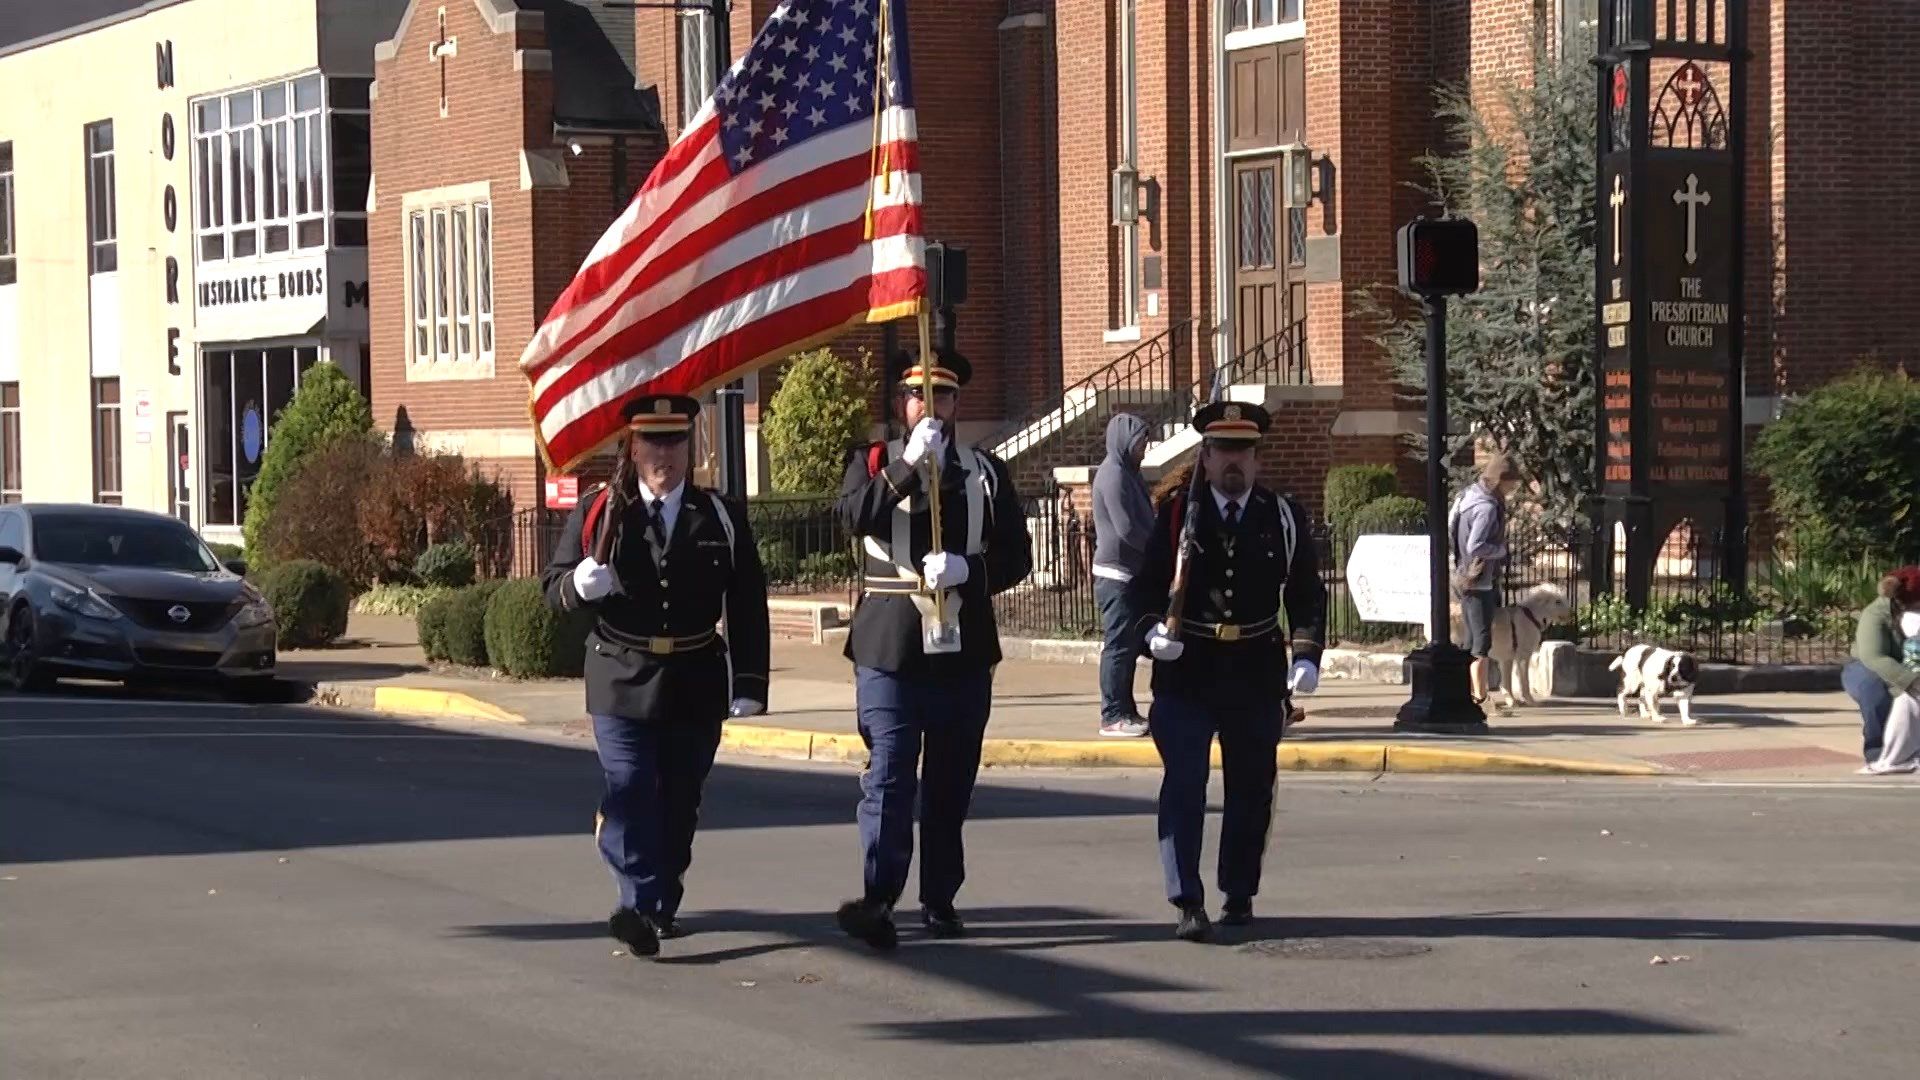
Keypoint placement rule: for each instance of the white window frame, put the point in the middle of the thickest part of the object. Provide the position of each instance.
(103, 215)
(9, 242)
(447, 237)
(1287, 22)
(694, 40)
(12, 443)
(247, 207)
(1127, 313)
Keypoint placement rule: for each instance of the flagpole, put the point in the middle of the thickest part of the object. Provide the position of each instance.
(731, 400)
(935, 535)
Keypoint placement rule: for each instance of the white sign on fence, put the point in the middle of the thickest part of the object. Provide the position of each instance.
(1387, 579)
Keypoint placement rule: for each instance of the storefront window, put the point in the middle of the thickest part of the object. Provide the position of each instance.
(245, 392)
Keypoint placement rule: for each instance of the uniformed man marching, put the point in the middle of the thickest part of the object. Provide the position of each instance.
(1221, 667)
(661, 679)
(918, 693)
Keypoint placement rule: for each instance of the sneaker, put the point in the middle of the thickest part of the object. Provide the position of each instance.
(635, 931)
(1194, 926)
(942, 921)
(1127, 727)
(869, 922)
(1889, 770)
(1238, 912)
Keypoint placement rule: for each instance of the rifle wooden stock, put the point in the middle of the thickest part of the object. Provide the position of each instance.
(1183, 559)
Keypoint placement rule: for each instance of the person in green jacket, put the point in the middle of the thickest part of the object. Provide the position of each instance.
(1876, 674)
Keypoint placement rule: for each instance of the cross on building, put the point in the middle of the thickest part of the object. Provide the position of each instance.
(1693, 199)
(1691, 86)
(438, 52)
(1617, 200)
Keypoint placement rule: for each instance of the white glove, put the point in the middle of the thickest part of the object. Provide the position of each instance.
(1162, 645)
(926, 441)
(592, 580)
(1305, 678)
(1910, 623)
(944, 570)
(746, 707)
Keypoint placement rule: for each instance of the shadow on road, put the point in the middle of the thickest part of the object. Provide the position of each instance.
(115, 779)
(1025, 954)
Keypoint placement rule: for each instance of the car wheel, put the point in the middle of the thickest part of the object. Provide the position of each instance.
(23, 653)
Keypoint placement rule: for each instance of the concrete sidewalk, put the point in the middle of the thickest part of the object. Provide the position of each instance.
(1047, 715)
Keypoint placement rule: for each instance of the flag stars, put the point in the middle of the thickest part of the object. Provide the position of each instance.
(767, 102)
(860, 8)
(789, 46)
(848, 35)
(816, 118)
(827, 90)
(754, 126)
(860, 77)
(813, 54)
(743, 155)
(790, 109)
(779, 136)
(838, 63)
(854, 102)
(778, 73)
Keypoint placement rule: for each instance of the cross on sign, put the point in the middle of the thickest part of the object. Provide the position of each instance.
(438, 52)
(1617, 200)
(1691, 86)
(1693, 199)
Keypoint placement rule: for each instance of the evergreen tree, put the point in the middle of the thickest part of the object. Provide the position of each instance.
(1521, 350)
(325, 408)
(814, 419)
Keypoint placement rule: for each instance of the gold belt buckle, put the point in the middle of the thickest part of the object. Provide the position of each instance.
(660, 646)
(1227, 632)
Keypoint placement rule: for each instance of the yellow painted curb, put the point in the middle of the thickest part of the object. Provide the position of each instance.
(414, 701)
(1434, 759)
(1332, 757)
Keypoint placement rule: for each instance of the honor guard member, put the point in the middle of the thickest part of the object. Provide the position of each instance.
(660, 677)
(1225, 671)
(914, 695)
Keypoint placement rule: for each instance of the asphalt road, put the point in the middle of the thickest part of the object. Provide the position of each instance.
(202, 891)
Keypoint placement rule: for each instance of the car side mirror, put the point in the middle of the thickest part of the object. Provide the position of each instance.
(237, 567)
(10, 556)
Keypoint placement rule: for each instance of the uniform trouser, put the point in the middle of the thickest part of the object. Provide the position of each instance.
(946, 715)
(1183, 731)
(654, 773)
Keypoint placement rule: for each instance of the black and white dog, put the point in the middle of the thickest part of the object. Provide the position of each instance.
(1649, 673)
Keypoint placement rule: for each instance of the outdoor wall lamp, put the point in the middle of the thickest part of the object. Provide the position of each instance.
(1125, 194)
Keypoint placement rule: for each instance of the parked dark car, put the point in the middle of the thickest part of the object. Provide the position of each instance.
(101, 592)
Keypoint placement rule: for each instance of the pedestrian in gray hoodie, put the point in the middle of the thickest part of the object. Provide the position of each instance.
(1477, 529)
(1122, 524)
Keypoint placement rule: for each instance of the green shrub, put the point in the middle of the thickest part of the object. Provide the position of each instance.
(326, 408)
(430, 625)
(449, 566)
(1843, 469)
(309, 603)
(528, 639)
(397, 599)
(1395, 515)
(1351, 487)
(463, 637)
(819, 412)
(227, 553)
(778, 559)
(825, 568)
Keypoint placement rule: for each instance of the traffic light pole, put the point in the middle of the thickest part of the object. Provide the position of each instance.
(1442, 699)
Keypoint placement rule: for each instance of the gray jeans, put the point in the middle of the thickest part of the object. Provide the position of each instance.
(1476, 609)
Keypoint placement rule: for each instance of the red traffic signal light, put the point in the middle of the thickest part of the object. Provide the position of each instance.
(1439, 257)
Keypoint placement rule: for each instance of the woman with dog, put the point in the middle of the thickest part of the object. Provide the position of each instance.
(1881, 681)
(1477, 528)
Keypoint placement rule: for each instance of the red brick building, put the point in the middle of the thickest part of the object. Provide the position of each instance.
(1028, 108)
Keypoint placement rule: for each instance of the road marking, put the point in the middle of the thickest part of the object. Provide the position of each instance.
(263, 720)
(227, 735)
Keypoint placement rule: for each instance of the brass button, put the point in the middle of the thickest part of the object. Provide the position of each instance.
(1229, 594)
(1229, 573)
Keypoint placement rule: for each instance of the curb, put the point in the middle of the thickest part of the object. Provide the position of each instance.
(798, 744)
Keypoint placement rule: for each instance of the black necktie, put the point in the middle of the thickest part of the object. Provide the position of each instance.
(658, 524)
(1232, 514)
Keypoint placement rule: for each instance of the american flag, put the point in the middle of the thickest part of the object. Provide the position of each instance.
(787, 211)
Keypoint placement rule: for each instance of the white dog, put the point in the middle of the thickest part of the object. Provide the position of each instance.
(1517, 632)
(1648, 672)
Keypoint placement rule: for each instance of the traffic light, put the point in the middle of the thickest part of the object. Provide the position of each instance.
(1439, 257)
(946, 276)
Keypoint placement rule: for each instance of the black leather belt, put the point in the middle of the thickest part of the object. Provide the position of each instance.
(1232, 631)
(893, 586)
(660, 646)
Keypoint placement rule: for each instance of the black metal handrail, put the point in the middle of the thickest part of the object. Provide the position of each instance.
(1279, 360)
(1122, 385)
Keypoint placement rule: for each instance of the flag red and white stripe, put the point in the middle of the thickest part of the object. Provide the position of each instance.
(788, 211)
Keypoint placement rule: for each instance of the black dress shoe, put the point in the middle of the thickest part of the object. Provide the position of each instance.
(1238, 912)
(668, 927)
(635, 931)
(943, 922)
(1194, 926)
(869, 922)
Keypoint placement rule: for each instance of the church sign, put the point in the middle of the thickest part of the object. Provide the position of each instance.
(1668, 304)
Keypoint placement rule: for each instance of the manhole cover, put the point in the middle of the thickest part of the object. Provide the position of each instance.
(1338, 949)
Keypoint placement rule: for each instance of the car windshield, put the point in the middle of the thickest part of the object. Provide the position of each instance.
(102, 540)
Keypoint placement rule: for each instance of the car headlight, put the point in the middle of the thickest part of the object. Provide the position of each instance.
(257, 613)
(83, 602)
